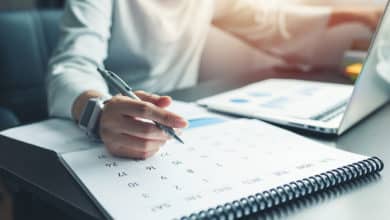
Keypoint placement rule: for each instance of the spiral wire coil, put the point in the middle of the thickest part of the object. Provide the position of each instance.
(285, 193)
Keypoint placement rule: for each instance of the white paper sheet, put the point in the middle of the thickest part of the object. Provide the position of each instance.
(62, 135)
(58, 135)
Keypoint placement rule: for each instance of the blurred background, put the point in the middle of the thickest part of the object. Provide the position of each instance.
(30, 36)
(28, 4)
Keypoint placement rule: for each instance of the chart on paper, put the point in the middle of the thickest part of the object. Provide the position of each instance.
(295, 98)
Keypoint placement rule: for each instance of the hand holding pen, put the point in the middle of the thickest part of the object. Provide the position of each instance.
(125, 134)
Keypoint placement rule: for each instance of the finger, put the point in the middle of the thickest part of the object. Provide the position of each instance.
(134, 147)
(138, 144)
(145, 130)
(164, 102)
(161, 101)
(146, 110)
(131, 153)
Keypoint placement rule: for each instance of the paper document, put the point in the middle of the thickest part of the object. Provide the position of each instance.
(58, 135)
(62, 135)
(292, 98)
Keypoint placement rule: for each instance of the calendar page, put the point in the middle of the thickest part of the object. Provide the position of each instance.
(218, 164)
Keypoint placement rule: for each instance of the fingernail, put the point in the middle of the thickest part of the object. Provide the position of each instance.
(182, 122)
(164, 98)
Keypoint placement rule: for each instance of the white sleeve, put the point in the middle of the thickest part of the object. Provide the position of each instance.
(83, 45)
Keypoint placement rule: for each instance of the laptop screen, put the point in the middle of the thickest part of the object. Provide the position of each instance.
(372, 88)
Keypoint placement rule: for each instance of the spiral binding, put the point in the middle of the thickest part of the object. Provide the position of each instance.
(282, 194)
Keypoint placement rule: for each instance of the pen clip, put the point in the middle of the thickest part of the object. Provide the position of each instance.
(108, 75)
(119, 80)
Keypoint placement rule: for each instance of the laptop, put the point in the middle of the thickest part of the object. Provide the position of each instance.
(328, 108)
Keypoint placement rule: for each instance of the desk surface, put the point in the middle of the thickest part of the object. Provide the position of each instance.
(40, 172)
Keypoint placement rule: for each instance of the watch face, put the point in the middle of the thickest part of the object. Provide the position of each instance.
(87, 113)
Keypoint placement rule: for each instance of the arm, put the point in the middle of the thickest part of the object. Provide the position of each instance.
(73, 79)
(263, 23)
(85, 31)
(294, 32)
(368, 16)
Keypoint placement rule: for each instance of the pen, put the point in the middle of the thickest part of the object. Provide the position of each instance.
(126, 90)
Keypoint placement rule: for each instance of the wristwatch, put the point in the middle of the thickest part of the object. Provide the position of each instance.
(90, 117)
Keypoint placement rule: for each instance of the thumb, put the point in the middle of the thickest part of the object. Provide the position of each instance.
(160, 101)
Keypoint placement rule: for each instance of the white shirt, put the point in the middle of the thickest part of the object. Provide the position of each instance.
(156, 45)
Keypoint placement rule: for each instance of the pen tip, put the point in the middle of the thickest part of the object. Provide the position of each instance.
(178, 139)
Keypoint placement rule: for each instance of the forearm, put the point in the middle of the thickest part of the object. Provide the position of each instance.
(368, 16)
(297, 33)
(65, 86)
(83, 46)
(265, 24)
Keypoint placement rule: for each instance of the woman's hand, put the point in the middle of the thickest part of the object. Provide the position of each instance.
(368, 16)
(126, 133)
(123, 127)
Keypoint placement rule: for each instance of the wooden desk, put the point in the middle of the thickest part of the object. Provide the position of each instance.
(42, 175)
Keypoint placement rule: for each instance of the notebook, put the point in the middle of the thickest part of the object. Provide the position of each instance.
(226, 170)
